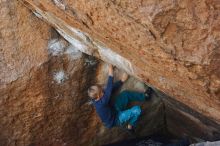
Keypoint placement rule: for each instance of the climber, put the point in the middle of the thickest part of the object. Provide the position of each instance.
(117, 114)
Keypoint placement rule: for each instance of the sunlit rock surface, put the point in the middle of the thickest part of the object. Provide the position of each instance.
(44, 79)
(172, 45)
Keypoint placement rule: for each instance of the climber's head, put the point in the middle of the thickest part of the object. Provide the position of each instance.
(95, 92)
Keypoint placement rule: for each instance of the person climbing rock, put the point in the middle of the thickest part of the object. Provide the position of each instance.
(117, 114)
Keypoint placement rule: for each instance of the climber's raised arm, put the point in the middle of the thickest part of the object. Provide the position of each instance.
(108, 90)
(119, 83)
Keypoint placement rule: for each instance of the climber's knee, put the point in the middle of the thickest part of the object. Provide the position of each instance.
(136, 110)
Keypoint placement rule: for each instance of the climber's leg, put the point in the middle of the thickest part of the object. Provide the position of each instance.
(129, 116)
(126, 97)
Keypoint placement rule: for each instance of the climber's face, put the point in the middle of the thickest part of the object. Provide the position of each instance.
(95, 92)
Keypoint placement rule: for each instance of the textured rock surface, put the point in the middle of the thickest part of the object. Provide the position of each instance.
(172, 45)
(182, 120)
(40, 95)
(44, 80)
(19, 31)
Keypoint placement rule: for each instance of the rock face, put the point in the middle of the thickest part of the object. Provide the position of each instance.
(41, 84)
(43, 88)
(19, 52)
(170, 45)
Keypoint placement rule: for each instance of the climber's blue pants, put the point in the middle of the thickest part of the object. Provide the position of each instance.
(125, 115)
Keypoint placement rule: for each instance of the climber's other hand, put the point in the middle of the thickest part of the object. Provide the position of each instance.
(110, 70)
(124, 77)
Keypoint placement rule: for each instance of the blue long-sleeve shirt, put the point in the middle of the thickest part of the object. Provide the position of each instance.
(103, 107)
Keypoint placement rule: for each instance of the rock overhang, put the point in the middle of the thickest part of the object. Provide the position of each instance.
(156, 64)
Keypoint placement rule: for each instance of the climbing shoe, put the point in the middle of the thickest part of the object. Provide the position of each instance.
(129, 131)
(148, 93)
